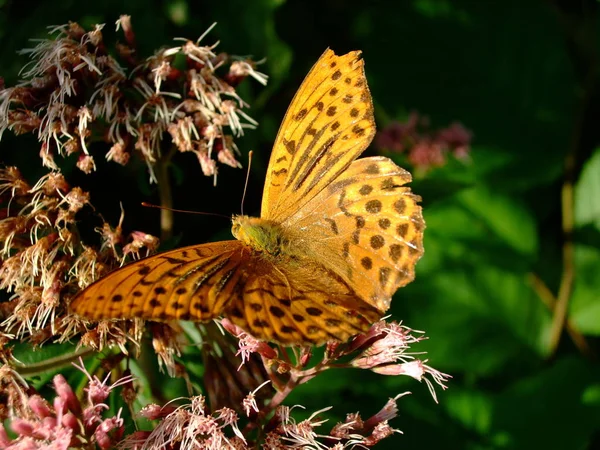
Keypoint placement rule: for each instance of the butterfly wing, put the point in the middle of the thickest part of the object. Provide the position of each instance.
(297, 302)
(275, 300)
(367, 227)
(328, 124)
(190, 283)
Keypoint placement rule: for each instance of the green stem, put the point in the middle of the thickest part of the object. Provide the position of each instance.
(579, 28)
(165, 194)
(549, 300)
(29, 370)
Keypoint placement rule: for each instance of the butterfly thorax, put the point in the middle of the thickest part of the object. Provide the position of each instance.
(260, 234)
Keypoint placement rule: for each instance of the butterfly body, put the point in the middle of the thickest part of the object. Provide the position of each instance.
(262, 235)
(336, 237)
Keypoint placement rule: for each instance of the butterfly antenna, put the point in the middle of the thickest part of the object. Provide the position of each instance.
(150, 205)
(247, 178)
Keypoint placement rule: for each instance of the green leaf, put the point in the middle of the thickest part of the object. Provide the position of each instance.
(553, 397)
(585, 301)
(505, 217)
(27, 355)
(471, 293)
(488, 316)
(587, 193)
(472, 408)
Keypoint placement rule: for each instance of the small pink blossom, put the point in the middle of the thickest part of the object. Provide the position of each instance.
(60, 426)
(249, 403)
(425, 149)
(39, 406)
(112, 425)
(65, 393)
(427, 153)
(248, 344)
(153, 411)
(139, 241)
(389, 344)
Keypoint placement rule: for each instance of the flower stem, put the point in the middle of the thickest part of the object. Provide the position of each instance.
(29, 370)
(165, 194)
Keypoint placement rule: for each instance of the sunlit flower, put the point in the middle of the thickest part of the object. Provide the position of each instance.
(249, 402)
(248, 344)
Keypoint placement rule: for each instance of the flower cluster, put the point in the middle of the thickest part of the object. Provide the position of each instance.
(191, 426)
(67, 422)
(77, 93)
(259, 418)
(44, 261)
(267, 422)
(424, 149)
(384, 349)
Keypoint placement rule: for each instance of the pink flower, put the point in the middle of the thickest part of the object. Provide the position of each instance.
(65, 393)
(249, 403)
(426, 153)
(456, 137)
(417, 370)
(396, 137)
(390, 343)
(248, 344)
(424, 148)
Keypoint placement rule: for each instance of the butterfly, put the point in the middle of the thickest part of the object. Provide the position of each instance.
(337, 236)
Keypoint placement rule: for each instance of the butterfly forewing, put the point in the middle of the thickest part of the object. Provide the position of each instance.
(328, 124)
(202, 282)
(191, 283)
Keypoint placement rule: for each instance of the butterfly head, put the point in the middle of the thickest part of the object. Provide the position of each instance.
(259, 234)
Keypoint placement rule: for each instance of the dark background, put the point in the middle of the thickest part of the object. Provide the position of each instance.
(522, 75)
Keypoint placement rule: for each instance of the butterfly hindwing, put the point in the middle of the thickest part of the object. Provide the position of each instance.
(277, 303)
(368, 226)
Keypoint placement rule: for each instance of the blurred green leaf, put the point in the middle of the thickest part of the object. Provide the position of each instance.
(24, 353)
(472, 408)
(587, 193)
(585, 302)
(551, 397)
(474, 297)
(504, 217)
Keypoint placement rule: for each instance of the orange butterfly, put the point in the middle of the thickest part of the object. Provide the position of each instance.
(336, 237)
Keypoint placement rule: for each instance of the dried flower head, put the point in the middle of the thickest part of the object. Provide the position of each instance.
(76, 92)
